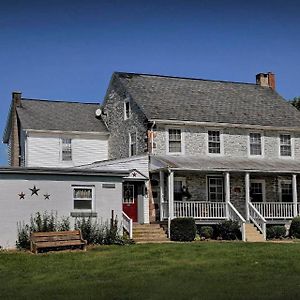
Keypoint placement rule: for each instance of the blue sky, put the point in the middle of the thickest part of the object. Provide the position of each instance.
(68, 49)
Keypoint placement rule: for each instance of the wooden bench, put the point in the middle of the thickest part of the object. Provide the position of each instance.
(57, 240)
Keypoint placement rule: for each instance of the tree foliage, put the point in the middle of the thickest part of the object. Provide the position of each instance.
(296, 102)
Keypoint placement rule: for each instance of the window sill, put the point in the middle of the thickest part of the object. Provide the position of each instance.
(83, 214)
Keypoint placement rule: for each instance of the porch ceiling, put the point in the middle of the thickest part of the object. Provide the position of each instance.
(197, 163)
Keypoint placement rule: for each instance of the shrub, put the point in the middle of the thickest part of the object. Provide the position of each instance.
(206, 232)
(183, 229)
(23, 236)
(276, 232)
(228, 230)
(295, 228)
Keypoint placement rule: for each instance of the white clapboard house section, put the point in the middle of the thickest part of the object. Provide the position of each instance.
(44, 133)
(68, 192)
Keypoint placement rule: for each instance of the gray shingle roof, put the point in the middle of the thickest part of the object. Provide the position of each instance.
(173, 98)
(59, 115)
(222, 164)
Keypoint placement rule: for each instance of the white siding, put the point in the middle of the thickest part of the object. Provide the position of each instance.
(45, 151)
(13, 209)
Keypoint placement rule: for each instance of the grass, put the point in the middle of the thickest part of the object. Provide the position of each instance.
(156, 271)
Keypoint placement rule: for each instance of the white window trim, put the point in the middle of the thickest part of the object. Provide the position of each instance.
(262, 145)
(207, 185)
(130, 133)
(280, 181)
(292, 145)
(127, 100)
(61, 149)
(263, 186)
(182, 141)
(93, 198)
(221, 142)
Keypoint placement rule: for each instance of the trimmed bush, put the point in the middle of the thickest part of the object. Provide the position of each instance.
(295, 228)
(276, 232)
(183, 229)
(206, 232)
(228, 230)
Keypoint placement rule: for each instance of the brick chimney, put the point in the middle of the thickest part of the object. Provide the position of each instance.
(15, 131)
(266, 80)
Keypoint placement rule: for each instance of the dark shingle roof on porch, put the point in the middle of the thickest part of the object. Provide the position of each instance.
(195, 163)
(198, 100)
(59, 115)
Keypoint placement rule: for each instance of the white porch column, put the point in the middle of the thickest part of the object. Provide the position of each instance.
(247, 194)
(171, 194)
(162, 194)
(227, 191)
(295, 200)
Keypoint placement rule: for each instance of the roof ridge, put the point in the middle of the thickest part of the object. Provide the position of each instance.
(60, 101)
(183, 78)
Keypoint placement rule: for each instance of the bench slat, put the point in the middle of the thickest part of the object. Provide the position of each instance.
(56, 238)
(59, 244)
(50, 233)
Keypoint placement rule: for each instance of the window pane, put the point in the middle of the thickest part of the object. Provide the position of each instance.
(285, 145)
(214, 145)
(286, 192)
(128, 194)
(66, 149)
(255, 144)
(174, 140)
(256, 192)
(216, 190)
(83, 204)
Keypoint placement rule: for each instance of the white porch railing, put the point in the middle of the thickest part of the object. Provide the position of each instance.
(234, 215)
(275, 210)
(200, 209)
(127, 224)
(257, 218)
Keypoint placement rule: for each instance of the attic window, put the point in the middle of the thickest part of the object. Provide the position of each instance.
(127, 109)
(66, 149)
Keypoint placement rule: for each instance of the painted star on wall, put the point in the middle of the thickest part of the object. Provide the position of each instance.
(47, 196)
(34, 191)
(22, 195)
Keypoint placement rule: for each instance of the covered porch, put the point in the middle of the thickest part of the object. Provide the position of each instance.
(215, 189)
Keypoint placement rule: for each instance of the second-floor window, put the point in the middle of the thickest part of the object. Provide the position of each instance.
(132, 144)
(127, 109)
(255, 144)
(214, 142)
(174, 140)
(66, 149)
(285, 145)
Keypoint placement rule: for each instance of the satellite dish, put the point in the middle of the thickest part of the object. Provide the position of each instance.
(98, 112)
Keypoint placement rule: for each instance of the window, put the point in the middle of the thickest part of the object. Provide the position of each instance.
(127, 109)
(214, 142)
(286, 191)
(174, 140)
(255, 144)
(215, 189)
(66, 149)
(179, 187)
(257, 191)
(128, 193)
(285, 145)
(83, 197)
(132, 144)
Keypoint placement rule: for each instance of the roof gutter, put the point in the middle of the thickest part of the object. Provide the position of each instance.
(224, 125)
(28, 130)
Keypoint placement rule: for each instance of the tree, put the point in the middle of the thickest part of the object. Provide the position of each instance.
(295, 102)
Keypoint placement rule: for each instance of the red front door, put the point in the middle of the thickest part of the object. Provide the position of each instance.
(130, 201)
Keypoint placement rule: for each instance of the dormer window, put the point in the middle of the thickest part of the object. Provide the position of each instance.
(132, 144)
(66, 149)
(127, 109)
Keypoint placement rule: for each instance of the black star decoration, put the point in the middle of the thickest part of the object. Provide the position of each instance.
(34, 191)
(22, 195)
(134, 174)
(47, 196)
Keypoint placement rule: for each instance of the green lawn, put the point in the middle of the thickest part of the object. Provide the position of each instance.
(168, 271)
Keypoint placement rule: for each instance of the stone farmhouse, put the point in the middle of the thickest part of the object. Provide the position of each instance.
(207, 149)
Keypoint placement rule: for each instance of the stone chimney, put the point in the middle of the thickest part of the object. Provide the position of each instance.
(266, 80)
(15, 131)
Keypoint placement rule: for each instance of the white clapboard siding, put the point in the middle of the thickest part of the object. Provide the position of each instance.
(45, 151)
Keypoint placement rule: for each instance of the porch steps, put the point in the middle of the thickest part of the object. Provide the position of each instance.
(252, 233)
(149, 233)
